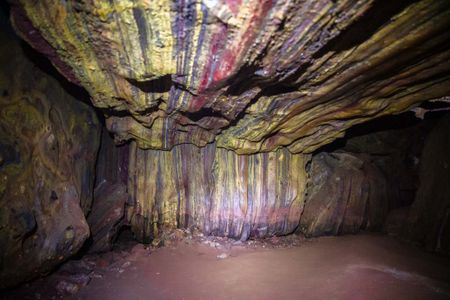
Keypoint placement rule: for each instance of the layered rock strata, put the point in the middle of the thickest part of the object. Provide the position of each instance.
(250, 75)
(218, 191)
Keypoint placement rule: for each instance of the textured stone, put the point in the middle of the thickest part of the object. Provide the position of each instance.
(218, 191)
(429, 216)
(48, 146)
(346, 193)
(394, 144)
(112, 161)
(251, 75)
(106, 216)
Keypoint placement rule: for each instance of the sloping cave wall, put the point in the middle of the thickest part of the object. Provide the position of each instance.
(48, 147)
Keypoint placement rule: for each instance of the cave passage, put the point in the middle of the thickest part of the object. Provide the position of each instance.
(225, 149)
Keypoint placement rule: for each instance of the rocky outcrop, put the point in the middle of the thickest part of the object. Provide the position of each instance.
(346, 193)
(250, 75)
(429, 217)
(48, 147)
(218, 191)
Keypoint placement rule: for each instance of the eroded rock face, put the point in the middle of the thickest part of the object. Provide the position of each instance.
(218, 191)
(346, 193)
(250, 75)
(48, 147)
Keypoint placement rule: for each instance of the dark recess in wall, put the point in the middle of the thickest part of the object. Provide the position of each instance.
(391, 122)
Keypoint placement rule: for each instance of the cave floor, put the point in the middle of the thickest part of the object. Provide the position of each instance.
(349, 267)
(364, 266)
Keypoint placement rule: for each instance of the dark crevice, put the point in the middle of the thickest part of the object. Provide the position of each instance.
(110, 112)
(278, 89)
(183, 88)
(435, 104)
(159, 85)
(241, 114)
(203, 113)
(239, 83)
(392, 122)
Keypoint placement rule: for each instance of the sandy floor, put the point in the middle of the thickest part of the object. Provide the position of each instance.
(348, 267)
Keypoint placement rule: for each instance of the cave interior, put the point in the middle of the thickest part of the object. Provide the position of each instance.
(225, 149)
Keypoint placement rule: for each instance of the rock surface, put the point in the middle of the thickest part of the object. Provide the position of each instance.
(48, 146)
(250, 75)
(394, 145)
(429, 216)
(218, 191)
(107, 213)
(346, 193)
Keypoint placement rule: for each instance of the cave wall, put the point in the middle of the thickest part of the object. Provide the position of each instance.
(428, 221)
(218, 191)
(107, 214)
(346, 193)
(112, 161)
(48, 147)
(395, 145)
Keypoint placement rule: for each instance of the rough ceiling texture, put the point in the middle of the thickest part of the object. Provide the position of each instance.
(251, 75)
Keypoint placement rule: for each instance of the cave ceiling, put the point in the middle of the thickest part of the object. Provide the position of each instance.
(250, 75)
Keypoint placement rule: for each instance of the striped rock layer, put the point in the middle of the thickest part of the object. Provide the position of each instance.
(250, 75)
(215, 190)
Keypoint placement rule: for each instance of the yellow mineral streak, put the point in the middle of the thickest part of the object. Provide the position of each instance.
(216, 190)
(126, 52)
